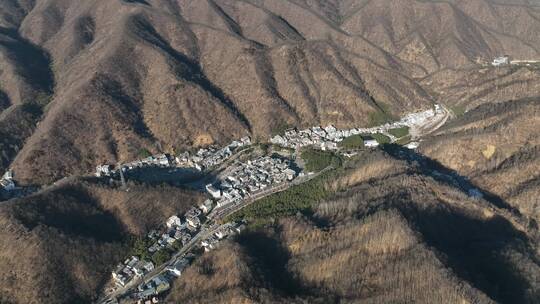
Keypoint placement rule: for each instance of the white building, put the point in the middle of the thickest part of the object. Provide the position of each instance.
(221, 233)
(103, 170)
(278, 140)
(174, 221)
(213, 191)
(178, 267)
(7, 181)
(7, 184)
(499, 61)
(206, 206)
(224, 202)
(412, 145)
(8, 175)
(162, 160)
(371, 143)
(193, 221)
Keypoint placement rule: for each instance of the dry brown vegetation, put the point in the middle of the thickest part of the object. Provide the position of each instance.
(60, 245)
(176, 74)
(85, 82)
(395, 234)
(497, 145)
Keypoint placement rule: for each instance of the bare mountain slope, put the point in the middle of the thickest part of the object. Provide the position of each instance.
(188, 73)
(59, 246)
(496, 145)
(437, 34)
(399, 232)
(175, 74)
(86, 82)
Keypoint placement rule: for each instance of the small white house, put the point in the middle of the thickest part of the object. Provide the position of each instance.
(178, 267)
(499, 61)
(174, 221)
(224, 202)
(193, 221)
(7, 184)
(163, 160)
(371, 143)
(103, 170)
(206, 206)
(290, 174)
(278, 140)
(8, 175)
(412, 145)
(213, 191)
(220, 234)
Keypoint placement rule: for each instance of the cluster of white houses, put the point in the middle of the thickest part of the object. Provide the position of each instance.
(162, 282)
(326, 138)
(250, 177)
(131, 268)
(203, 159)
(176, 230)
(222, 232)
(210, 157)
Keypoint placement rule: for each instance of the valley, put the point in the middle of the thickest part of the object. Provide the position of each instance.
(269, 151)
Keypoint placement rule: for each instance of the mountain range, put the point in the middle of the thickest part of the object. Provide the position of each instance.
(89, 82)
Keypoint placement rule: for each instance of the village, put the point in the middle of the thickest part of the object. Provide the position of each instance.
(243, 180)
(177, 233)
(147, 275)
(328, 138)
(196, 230)
(203, 159)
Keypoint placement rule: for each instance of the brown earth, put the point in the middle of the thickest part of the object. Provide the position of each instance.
(84, 82)
(395, 234)
(127, 75)
(60, 245)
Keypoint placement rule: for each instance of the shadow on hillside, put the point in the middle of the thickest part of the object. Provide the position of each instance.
(71, 211)
(171, 176)
(131, 106)
(445, 175)
(5, 102)
(270, 262)
(32, 62)
(143, 2)
(475, 248)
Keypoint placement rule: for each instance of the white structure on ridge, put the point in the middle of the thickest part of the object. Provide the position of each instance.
(499, 61)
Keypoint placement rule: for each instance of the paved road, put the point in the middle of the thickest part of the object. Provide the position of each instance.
(221, 213)
(431, 126)
(206, 232)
